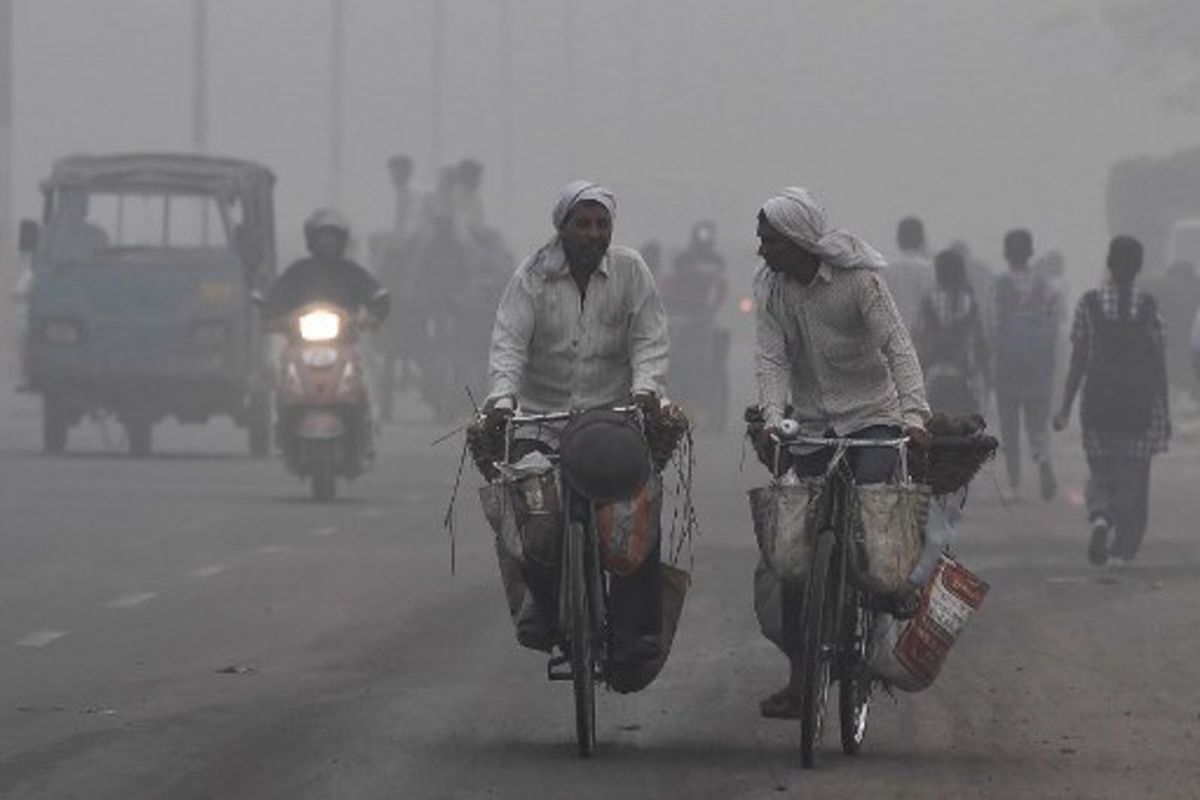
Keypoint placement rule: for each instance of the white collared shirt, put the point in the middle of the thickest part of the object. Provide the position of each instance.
(837, 350)
(555, 351)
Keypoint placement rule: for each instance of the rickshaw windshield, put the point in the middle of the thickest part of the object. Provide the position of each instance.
(90, 227)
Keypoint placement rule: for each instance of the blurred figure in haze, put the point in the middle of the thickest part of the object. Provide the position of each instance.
(1179, 293)
(652, 254)
(1053, 269)
(697, 287)
(1118, 357)
(1026, 313)
(910, 275)
(950, 340)
(401, 170)
(465, 201)
(1194, 341)
(694, 293)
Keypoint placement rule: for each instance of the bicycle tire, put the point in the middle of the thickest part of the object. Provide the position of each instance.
(583, 674)
(854, 685)
(816, 637)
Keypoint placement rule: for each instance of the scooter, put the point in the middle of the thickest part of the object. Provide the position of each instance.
(324, 428)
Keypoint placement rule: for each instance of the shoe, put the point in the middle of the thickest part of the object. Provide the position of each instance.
(1117, 562)
(1049, 484)
(532, 630)
(1098, 548)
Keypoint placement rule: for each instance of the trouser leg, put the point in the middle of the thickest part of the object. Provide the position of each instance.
(1036, 408)
(636, 600)
(543, 586)
(1133, 489)
(1101, 488)
(1008, 409)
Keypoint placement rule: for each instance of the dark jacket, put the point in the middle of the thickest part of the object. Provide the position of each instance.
(343, 284)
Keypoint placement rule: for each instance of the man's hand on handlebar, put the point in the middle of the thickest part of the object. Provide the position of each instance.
(647, 402)
(918, 437)
(497, 411)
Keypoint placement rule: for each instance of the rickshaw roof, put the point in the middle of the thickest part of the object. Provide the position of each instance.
(161, 170)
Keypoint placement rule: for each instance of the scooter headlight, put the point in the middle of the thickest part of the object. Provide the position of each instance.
(320, 326)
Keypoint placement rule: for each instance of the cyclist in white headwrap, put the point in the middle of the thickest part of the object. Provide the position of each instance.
(830, 345)
(581, 326)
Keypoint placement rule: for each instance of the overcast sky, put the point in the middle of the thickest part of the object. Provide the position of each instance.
(976, 115)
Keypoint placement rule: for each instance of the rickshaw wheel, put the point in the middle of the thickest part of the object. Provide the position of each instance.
(54, 426)
(141, 437)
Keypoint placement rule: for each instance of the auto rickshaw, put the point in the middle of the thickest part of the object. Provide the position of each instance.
(139, 306)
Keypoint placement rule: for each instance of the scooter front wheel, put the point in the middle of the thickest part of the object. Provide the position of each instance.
(323, 464)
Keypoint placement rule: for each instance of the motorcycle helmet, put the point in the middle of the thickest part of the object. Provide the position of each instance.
(326, 219)
(704, 233)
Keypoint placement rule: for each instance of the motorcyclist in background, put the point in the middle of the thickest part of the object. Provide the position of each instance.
(327, 275)
(697, 285)
(694, 293)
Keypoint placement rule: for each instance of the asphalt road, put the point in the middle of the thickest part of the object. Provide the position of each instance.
(189, 626)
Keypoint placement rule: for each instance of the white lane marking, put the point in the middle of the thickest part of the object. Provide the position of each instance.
(273, 549)
(40, 638)
(322, 532)
(372, 513)
(208, 571)
(131, 600)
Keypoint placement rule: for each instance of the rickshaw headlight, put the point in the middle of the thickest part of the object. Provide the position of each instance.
(319, 326)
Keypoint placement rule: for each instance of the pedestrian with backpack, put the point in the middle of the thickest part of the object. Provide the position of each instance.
(1119, 357)
(1027, 313)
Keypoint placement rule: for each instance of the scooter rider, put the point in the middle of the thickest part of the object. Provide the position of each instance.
(327, 275)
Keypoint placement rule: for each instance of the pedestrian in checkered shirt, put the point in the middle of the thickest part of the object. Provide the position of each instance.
(1119, 358)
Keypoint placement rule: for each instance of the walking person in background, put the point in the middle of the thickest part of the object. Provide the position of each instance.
(950, 340)
(909, 276)
(1026, 315)
(1119, 357)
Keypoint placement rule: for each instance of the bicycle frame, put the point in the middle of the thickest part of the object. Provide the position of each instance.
(833, 629)
(582, 594)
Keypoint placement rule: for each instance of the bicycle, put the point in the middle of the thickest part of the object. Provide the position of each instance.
(585, 646)
(834, 624)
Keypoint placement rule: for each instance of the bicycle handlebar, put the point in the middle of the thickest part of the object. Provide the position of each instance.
(560, 416)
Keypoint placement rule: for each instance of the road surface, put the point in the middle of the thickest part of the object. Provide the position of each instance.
(190, 626)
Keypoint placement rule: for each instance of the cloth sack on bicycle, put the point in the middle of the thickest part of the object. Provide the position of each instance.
(893, 520)
(675, 583)
(909, 654)
(523, 510)
(782, 514)
(628, 530)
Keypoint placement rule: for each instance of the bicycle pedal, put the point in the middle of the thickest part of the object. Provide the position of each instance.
(558, 668)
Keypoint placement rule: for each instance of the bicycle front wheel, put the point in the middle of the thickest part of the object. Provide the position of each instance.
(583, 654)
(854, 684)
(817, 639)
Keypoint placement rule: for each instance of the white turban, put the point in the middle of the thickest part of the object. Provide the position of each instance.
(577, 192)
(796, 214)
(551, 258)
